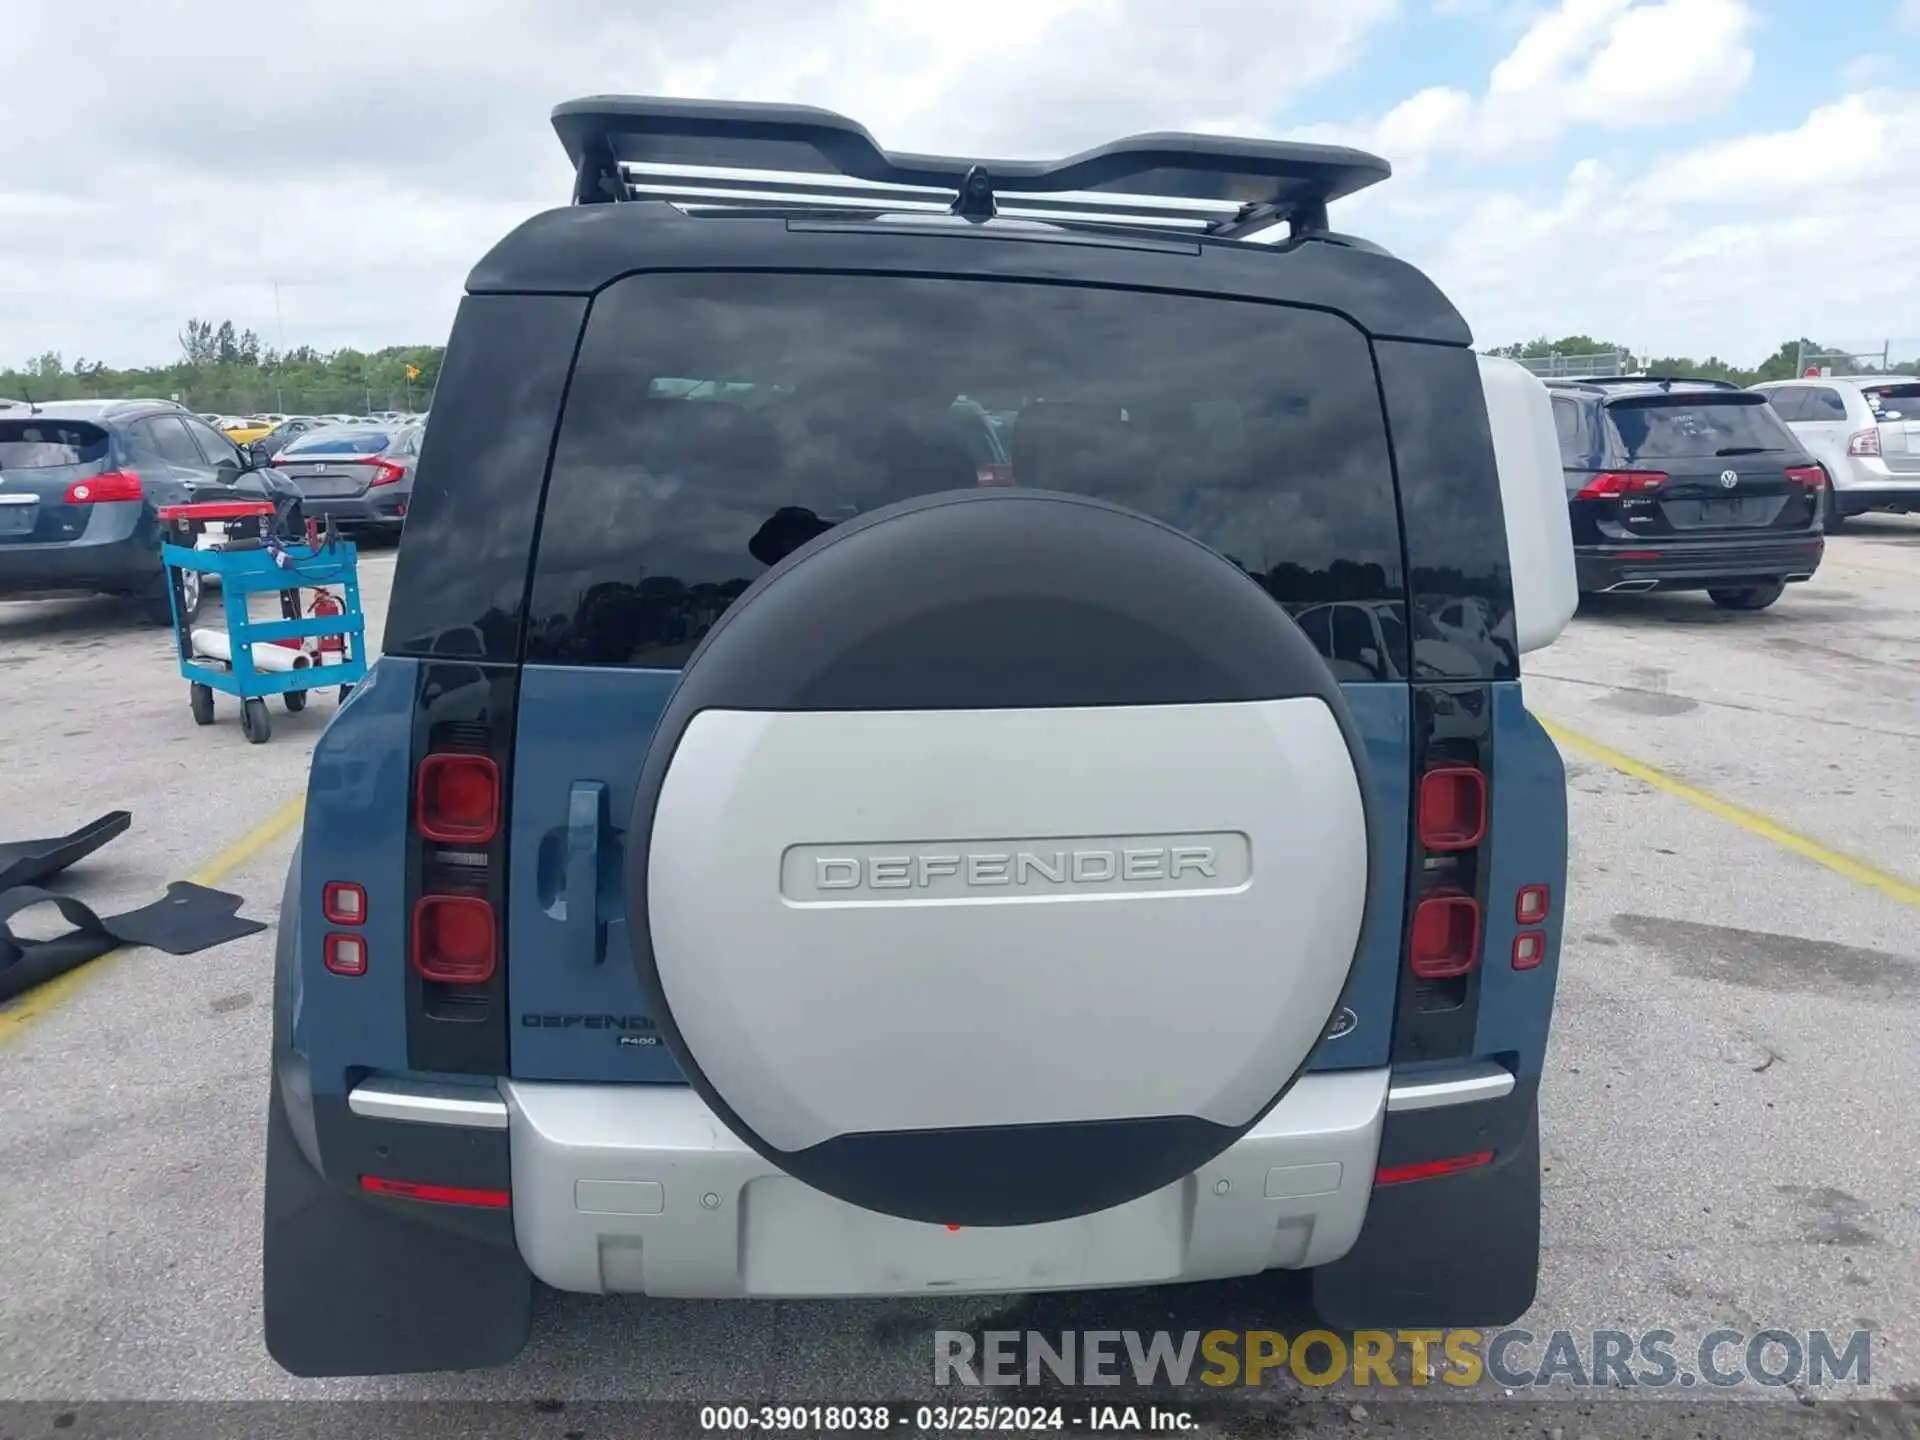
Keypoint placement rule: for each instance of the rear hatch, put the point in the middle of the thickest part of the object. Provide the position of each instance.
(336, 465)
(1698, 466)
(1896, 410)
(42, 461)
(715, 423)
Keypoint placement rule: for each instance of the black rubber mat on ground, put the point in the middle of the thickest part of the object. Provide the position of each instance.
(190, 918)
(34, 862)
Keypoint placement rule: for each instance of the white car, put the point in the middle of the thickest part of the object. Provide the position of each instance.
(1865, 429)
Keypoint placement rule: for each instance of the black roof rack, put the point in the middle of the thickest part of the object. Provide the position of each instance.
(1665, 382)
(693, 153)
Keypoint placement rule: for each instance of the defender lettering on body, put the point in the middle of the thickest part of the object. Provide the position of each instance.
(1015, 869)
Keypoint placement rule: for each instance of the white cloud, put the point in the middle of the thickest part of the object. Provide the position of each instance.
(364, 155)
(1730, 246)
(1615, 65)
(173, 160)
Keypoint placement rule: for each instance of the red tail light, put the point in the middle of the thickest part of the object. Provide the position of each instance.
(1811, 476)
(346, 954)
(457, 799)
(1445, 938)
(385, 472)
(1529, 949)
(1864, 442)
(105, 488)
(1622, 482)
(1427, 1170)
(453, 939)
(436, 1194)
(1453, 808)
(343, 903)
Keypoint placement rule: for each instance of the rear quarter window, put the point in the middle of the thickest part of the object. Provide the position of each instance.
(1569, 426)
(716, 422)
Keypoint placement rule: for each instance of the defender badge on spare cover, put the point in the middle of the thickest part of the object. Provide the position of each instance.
(1001, 858)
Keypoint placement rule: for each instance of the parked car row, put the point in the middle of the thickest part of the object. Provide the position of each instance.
(82, 481)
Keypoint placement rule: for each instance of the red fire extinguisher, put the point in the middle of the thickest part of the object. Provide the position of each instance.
(325, 605)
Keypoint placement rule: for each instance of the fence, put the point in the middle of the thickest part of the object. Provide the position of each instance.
(1572, 367)
(1892, 356)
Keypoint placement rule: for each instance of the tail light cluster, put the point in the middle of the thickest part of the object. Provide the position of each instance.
(1613, 483)
(105, 488)
(385, 472)
(454, 932)
(1864, 442)
(1811, 476)
(1443, 941)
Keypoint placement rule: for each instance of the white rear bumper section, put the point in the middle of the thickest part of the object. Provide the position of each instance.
(622, 1189)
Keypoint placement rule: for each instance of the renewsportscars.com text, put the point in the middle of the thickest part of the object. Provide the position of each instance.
(1514, 1359)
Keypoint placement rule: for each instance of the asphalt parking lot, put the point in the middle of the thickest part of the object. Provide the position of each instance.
(1727, 1127)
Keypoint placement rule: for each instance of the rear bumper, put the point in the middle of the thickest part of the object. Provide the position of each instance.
(123, 563)
(1901, 494)
(355, 512)
(1867, 482)
(1696, 566)
(641, 1189)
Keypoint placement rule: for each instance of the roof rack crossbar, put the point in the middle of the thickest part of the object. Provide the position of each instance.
(715, 190)
(1233, 187)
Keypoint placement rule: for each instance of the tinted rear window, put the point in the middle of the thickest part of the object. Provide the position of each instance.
(715, 422)
(1676, 428)
(336, 442)
(50, 444)
(1891, 402)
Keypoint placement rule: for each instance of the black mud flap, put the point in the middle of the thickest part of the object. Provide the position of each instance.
(354, 1288)
(1452, 1251)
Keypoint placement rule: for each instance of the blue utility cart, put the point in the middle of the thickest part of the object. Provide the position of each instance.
(331, 628)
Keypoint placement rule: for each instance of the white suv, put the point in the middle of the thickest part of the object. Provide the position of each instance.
(1865, 429)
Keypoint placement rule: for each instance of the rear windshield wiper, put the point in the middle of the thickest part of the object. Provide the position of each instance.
(1742, 450)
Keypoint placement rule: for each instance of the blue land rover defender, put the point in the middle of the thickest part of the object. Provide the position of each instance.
(945, 726)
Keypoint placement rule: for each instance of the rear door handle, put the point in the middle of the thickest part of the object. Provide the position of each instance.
(586, 823)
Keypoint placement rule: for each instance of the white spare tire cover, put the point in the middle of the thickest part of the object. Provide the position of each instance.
(999, 858)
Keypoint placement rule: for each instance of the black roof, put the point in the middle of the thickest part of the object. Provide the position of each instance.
(90, 409)
(1640, 383)
(1182, 209)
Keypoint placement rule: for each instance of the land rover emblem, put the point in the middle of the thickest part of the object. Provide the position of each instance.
(1729, 479)
(1343, 1022)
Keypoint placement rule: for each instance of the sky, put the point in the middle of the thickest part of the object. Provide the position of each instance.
(1685, 177)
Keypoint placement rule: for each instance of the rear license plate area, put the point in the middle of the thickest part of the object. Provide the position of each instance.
(799, 1242)
(18, 519)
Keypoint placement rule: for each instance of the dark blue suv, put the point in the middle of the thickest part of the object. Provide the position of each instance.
(794, 845)
(81, 485)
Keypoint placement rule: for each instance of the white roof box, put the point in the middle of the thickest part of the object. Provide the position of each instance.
(1533, 494)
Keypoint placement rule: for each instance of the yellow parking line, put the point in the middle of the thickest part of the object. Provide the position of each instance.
(42, 999)
(1858, 871)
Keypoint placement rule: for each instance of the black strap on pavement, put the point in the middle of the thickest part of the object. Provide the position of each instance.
(33, 862)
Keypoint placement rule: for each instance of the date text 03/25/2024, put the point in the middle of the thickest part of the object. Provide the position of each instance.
(909, 1418)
